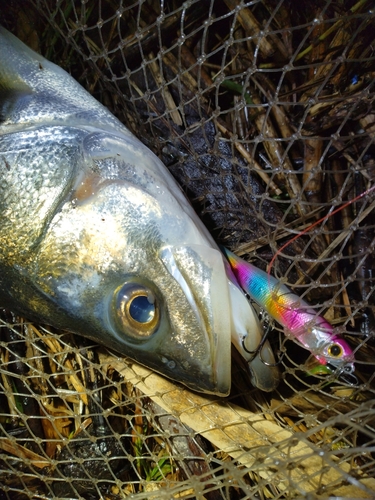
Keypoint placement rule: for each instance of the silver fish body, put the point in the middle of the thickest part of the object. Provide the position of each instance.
(97, 238)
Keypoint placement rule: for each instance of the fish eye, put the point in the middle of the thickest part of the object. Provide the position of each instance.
(136, 310)
(335, 350)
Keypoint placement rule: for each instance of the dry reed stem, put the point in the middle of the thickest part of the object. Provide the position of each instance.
(249, 438)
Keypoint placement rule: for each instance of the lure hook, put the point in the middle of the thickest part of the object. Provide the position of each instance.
(258, 350)
(345, 373)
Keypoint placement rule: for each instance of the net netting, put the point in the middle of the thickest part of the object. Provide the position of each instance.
(264, 113)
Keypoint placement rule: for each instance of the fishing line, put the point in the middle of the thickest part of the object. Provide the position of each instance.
(305, 231)
(316, 223)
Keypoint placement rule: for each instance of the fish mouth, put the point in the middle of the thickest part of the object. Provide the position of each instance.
(247, 335)
(200, 273)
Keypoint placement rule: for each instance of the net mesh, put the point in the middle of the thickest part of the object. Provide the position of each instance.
(264, 113)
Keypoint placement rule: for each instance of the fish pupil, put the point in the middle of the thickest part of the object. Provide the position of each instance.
(142, 310)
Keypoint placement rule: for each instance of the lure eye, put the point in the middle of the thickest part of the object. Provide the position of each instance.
(335, 351)
(136, 310)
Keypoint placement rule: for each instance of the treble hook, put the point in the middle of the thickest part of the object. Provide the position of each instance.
(345, 373)
(258, 350)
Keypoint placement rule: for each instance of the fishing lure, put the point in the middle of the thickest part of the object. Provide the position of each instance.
(299, 319)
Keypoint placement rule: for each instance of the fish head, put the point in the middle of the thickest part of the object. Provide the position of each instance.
(97, 238)
(126, 262)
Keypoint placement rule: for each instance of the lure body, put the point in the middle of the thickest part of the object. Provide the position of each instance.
(299, 319)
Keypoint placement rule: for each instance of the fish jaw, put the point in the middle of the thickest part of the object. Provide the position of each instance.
(246, 337)
(203, 265)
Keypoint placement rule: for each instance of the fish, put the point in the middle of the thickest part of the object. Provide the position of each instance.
(97, 238)
(299, 319)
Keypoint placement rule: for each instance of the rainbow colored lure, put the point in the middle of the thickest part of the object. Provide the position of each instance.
(299, 319)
